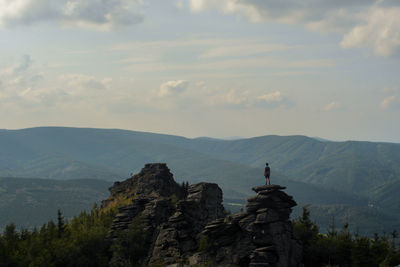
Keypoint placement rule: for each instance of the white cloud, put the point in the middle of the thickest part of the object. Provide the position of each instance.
(183, 95)
(18, 78)
(371, 23)
(26, 85)
(380, 31)
(172, 88)
(388, 101)
(102, 15)
(274, 100)
(288, 11)
(272, 97)
(235, 98)
(332, 106)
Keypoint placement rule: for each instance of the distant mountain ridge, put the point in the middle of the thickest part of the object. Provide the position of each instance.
(319, 173)
(349, 166)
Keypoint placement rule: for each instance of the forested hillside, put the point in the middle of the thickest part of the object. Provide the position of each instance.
(32, 202)
(350, 177)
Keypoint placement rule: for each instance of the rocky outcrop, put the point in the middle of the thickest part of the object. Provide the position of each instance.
(187, 226)
(261, 236)
(147, 194)
(173, 215)
(178, 238)
(153, 181)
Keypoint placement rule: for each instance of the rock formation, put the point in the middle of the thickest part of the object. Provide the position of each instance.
(188, 226)
(178, 237)
(261, 236)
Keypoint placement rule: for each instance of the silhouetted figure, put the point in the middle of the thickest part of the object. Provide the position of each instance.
(267, 173)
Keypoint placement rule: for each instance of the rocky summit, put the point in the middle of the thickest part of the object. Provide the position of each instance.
(187, 225)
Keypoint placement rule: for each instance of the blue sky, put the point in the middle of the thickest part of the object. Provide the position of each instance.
(215, 68)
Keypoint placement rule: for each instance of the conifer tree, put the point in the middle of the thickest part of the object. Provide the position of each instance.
(60, 223)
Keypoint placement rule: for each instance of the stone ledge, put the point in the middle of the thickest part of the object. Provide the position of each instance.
(268, 187)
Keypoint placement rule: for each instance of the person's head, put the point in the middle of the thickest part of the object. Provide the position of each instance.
(266, 163)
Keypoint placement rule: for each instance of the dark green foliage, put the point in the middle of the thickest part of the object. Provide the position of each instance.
(340, 248)
(185, 187)
(307, 232)
(364, 220)
(131, 246)
(60, 223)
(82, 242)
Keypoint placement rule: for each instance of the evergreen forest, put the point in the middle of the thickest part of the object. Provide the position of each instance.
(83, 241)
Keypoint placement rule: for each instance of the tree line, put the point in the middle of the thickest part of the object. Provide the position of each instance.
(341, 248)
(84, 241)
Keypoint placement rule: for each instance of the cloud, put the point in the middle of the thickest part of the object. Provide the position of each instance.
(24, 65)
(172, 88)
(274, 100)
(101, 15)
(380, 32)
(287, 11)
(79, 82)
(26, 85)
(214, 56)
(182, 94)
(18, 76)
(246, 99)
(272, 97)
(388, 101)
(332, 106)
(21, 85)
(370, 23)
(228, 98)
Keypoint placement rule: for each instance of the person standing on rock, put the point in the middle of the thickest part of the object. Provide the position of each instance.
(267, 173)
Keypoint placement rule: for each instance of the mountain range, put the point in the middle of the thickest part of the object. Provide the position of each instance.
(350, 177)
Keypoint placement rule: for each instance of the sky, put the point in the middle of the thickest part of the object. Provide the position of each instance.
(217, 68)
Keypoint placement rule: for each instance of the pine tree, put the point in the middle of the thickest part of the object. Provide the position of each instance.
(60, 223)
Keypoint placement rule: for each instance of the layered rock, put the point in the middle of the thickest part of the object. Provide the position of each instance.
(153, 181)
(186, 226)
(173, 216)
(261, 236)
(178, 238)
(147, 194)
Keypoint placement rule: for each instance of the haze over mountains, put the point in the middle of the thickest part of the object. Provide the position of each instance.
(355, 181)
